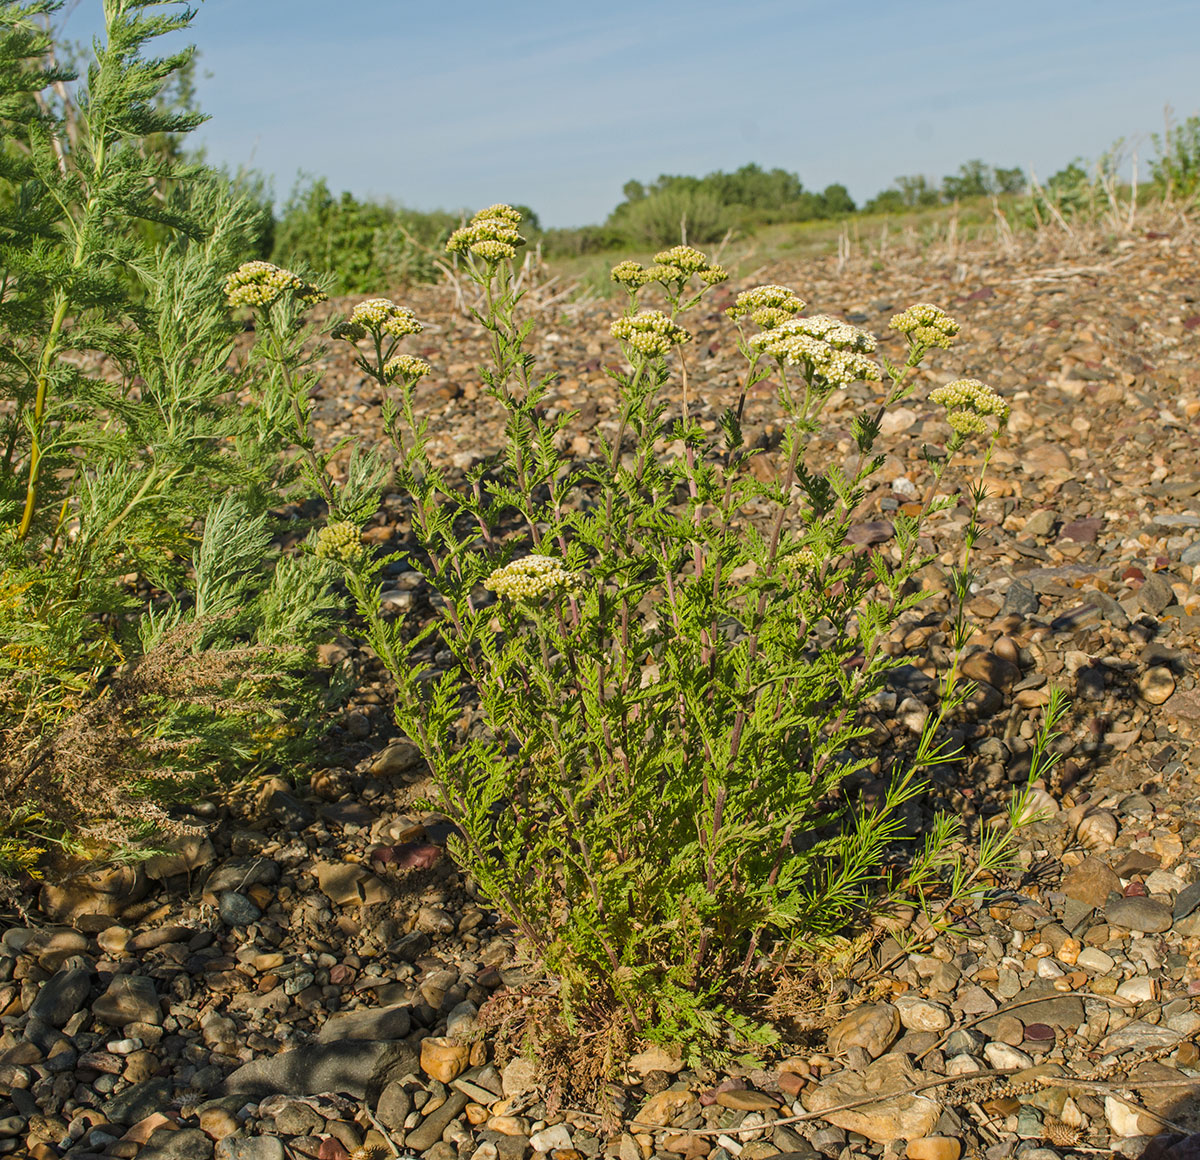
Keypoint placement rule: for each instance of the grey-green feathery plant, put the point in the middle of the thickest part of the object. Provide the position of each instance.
(147, 628)
(655, 699)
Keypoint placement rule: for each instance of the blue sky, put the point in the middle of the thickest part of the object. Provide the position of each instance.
(556, 105)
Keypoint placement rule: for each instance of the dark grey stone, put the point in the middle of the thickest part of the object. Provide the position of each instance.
(240, 873)
(129, 999)
(61, 996)
(237, 910)
(429, 1131)
(1058, 1009)
(299, 1120)
(1187, 900)
(177, 1144)
(250, 1148)
(395, 1104)
(392, 1022)
(1155, 594)
(1020, 600)
(289, 811)
(1139, 913)
(138, 1102)
(356, 1067)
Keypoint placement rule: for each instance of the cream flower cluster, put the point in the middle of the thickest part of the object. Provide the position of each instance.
(685, 258)
(650, 332)
(491, 235)
(768, 306)
(677, 264)
(383, 316)
(926, 325)
(532, 577)
(407, 367)
(631, 275)
(339, 541)
(262, 284)
(969, 404)
(836, 351)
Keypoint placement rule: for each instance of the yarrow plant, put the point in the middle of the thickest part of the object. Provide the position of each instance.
(655, 697)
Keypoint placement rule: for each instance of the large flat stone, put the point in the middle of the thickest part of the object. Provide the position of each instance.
(897, 1114)
(1057, 1008)
(356, 1067)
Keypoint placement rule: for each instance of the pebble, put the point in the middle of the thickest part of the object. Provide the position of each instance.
(1091, 882)
(873, 1027)
(1139, 913)
(1156, 685)
(1004, 1055)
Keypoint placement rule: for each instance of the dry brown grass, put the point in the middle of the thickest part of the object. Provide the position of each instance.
(86, 769)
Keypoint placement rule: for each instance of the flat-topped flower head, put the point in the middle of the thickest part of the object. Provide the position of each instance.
(685, 258)
(650, 333)
(492, 250)
(407, 367)
(833, 350)
(340, 541)
(631, 275)
(384, 315)
(260, 284)
(925, 325)
(490, 235)
(500, 213)
(378, 316)
(768, 306)
(661, 272)
(834, 331)
(680, 263)
(533, 577)
(969, 397)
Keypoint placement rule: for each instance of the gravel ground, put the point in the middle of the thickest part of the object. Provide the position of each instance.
(304, 974)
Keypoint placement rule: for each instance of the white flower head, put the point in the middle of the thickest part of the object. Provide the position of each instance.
(833, 350)
(781, 302)
(926, 325)
(969, 405)
(533, 577)
(260, 284)
(650, 333)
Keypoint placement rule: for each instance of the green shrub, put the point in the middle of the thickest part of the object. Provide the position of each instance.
(361, 245)
(152, 638)
(655, 701)
(1177, 168)
(662, 217)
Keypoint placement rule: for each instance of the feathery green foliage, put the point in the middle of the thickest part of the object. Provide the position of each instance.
(144, 621)
(655, 697)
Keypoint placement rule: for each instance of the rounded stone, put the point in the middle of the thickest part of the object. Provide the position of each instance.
(1156, 685)
(873, 1027)
(933, 1148)
(443, 1059)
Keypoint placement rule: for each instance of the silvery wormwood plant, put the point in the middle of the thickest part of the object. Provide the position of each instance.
(150, 635)
(666, 692)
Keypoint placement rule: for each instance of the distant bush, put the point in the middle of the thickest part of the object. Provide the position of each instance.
(666, 215)
(748, 197)
(973, 179)
(1177, 169)
(581, 240)
(362, 244)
